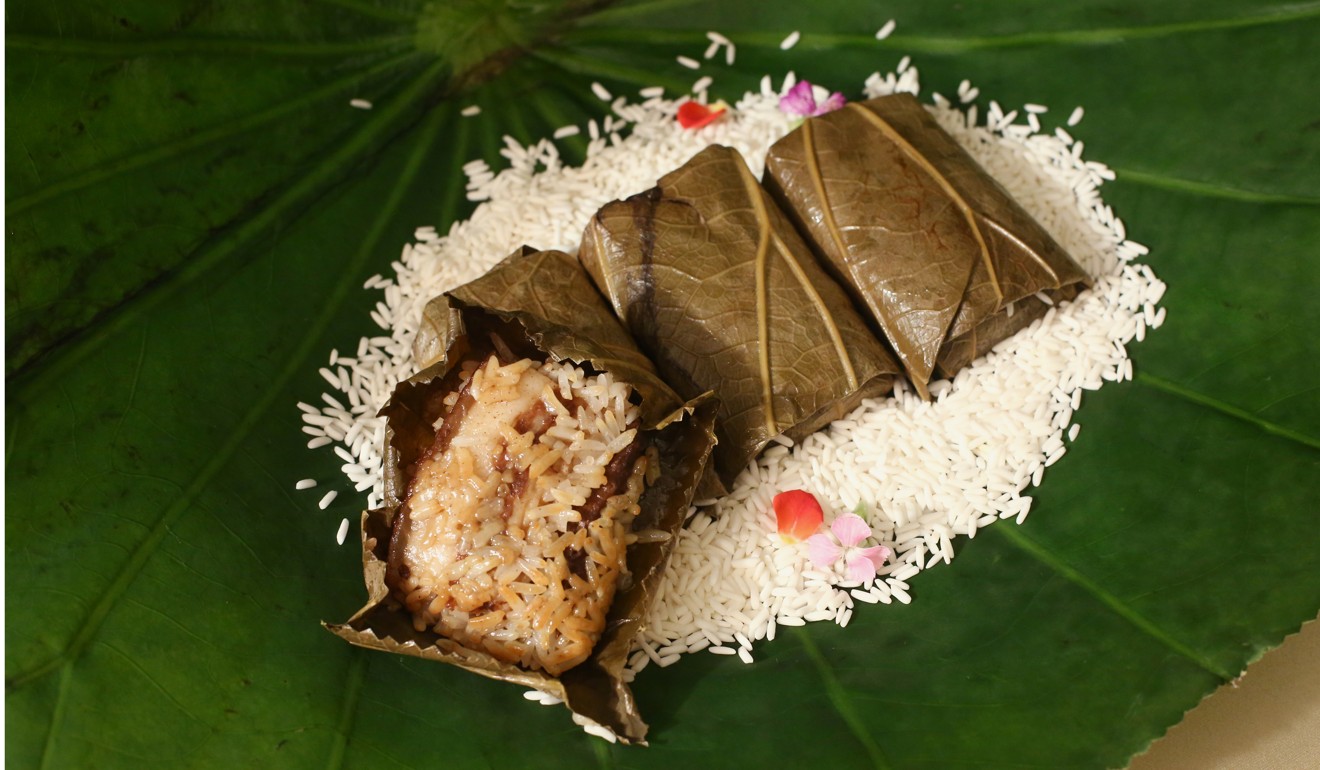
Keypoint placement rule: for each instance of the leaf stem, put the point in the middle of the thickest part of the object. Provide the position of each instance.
(254, 417)
(182, 46)
(831, 328)
(892, 134)
(73, 348)
(172, 149)
(357, 676)
(840, 699)
(372, 11)
(1174, 389)
(580, 64)
(1043, 554)
(762, 293)
(57, 714)
(1211, 190)
(824, 41)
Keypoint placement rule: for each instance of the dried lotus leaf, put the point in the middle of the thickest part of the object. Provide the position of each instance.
(720, 291)
(535, 303)
(925, 240)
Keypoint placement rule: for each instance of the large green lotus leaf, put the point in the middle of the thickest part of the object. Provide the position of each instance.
(192, 207)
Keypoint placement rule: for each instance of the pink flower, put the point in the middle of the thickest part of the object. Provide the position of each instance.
(850, 530)
(801, 100)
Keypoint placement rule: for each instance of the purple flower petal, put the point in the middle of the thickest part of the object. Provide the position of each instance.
(799, 100)
(861, 568)
(831, 104)
(823, 551)
(851, 529)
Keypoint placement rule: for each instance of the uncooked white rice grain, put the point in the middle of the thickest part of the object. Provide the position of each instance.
(702, 83)
(688, 62)
(305, 484)
(342, 534)
(1076, 116)
(790, 41)
(359, 104)
(601, 92)
(327, 499)
(563, 132)
(471, 110)
(924, 472)
(886, 30)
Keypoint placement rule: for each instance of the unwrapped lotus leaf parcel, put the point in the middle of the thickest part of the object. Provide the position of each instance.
(920, 473)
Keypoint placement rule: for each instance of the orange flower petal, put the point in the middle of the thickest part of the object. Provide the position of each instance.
(798, 514)
(693, 115)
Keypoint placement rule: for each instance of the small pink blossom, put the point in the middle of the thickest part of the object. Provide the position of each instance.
(850, 531)
(801, 100)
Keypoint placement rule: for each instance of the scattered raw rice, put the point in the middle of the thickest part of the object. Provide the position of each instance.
(886, 30)
(563, 132)
(305, 484)
(689, 62)
(343, 532)
(544, 698)
(920, 473)
(328, 498)
(1076, 116)
(601, 92)
(594, 728)
(470, 111)
(702, 84)
(790, 41)
(361, 104)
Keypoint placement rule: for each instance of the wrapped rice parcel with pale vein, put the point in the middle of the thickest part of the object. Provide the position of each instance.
(536, 474)
(942, 257)
(720, 291)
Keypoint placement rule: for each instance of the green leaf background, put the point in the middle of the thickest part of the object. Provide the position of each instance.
(192, 207)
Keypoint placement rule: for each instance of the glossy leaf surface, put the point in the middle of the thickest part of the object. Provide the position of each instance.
(192, 208)
(924, 239)
(719, 289)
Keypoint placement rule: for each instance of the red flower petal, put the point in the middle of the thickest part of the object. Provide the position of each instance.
(693, 115)
(798, 514)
